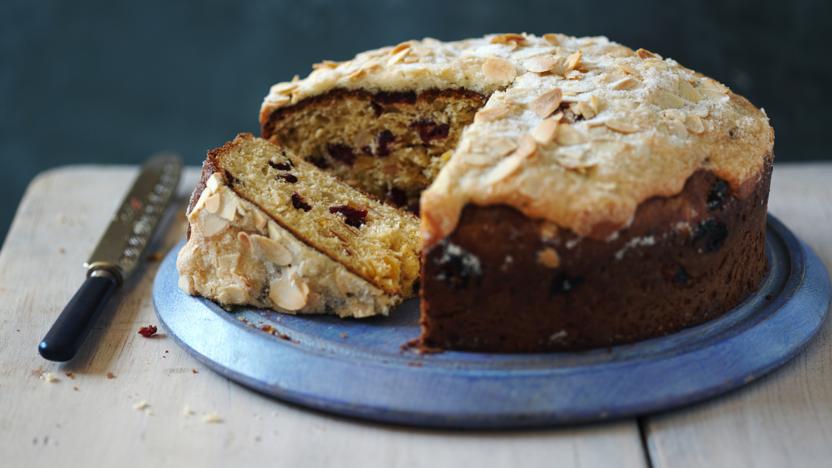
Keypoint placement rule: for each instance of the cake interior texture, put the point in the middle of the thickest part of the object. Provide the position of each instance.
(388, 144)
(375, 241)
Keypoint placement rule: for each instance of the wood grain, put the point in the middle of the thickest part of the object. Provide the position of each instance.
(89, 419)
(786, 418)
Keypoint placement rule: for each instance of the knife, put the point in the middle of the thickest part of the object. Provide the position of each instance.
(116, 255)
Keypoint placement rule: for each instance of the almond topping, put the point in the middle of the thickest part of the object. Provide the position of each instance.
(526, 149)
(271, 250)
(493, 113)
(212, 203)
(687, 91)
(545, 104)
(694, 124)
(627, 82)
(583, 108)
(541, 63)
(548, 257)
(400, 47)
(229, 205)
(212, 225)
(621, 126)
(510, 39)
(398, 56)
(326, 64)
(646, 54)
(569, 135)
(213, 183)
(497, 69)
(552, 38)
(289, 292)
(666, 99)
(232, 295)
(545, 131)
(574, 61)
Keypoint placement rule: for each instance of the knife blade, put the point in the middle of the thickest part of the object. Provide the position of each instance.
(116, 256)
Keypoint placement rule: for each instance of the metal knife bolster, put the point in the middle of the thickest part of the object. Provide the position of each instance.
(126, 238)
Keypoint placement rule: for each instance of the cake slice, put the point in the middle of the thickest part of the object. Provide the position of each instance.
(268, 229)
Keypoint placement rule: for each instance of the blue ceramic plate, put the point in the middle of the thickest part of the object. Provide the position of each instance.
(357, 367)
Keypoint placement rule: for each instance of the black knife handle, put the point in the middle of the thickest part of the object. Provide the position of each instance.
(74, 324)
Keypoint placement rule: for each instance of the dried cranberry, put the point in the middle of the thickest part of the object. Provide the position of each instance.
(284, 166)
(384, 139)
(717, 195)
(319, 161)
(354, 217)
(457, 267)
(299, 203)
(341, 152)
(290, 178)
(429, 130)
(709, 235)
(231, 179)
(148, 331)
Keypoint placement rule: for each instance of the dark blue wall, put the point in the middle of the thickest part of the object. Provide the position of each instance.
(110, 82)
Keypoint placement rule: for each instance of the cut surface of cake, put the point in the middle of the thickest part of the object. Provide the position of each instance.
(572, 192)
(271, 230)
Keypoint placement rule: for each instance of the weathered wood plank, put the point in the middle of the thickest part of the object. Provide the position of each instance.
(90, 420)
(786, 418)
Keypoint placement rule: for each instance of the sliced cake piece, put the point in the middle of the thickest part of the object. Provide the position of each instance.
(270, 230)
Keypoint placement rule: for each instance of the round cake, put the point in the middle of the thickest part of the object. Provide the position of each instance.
(572, 192)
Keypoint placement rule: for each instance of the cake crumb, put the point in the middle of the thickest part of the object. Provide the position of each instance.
(148, 331)
(75, 387)
(187, 411)
(110, 376)
(141, 405)
(49, 377)
(195, 371)
(211, 418)
(70, 375)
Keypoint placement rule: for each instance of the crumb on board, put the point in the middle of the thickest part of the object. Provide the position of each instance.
(75, 387)
(195, 371)
(141, 405)
(49, 377)
(70, 375)
(187, 411)
(211, 418)
(110, 375)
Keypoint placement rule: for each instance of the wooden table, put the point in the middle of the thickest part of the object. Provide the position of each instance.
(88, 417)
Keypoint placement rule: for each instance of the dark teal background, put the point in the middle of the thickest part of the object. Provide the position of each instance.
(111, 82)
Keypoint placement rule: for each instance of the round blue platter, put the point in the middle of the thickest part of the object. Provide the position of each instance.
(358, 367)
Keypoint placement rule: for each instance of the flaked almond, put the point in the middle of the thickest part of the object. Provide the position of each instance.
(289, 292)
(628, 82)
(325, 65)
(211, 225)
(573, 62)
(585, 109)
(646, 54)
(547, 103)
(621, 126)
(212, 203)
(629, 70)
(546, 130)
(398, 57)
(271, 250)
(232, 294)
(541, 63)
(260, 219)
(597, 104)
(666, 99)
(284, 88)
(526, 149)
(228, 262)
(548, 257)
(688, 92)
(492, 113)
(510, 39)
(552, 39)
(694, 124)
(569, 135)
(399, 47)
(497, 69)
(229, 204)
(274, 231)
(214, 182)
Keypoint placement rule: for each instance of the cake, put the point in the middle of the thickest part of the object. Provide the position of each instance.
(572, 192)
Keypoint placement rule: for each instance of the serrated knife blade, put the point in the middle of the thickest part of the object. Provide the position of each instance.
(116, 256)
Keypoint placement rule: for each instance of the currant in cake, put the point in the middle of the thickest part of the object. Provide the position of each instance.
(572, 192)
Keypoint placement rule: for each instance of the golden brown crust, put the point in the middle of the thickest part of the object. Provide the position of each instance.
(644, 125)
